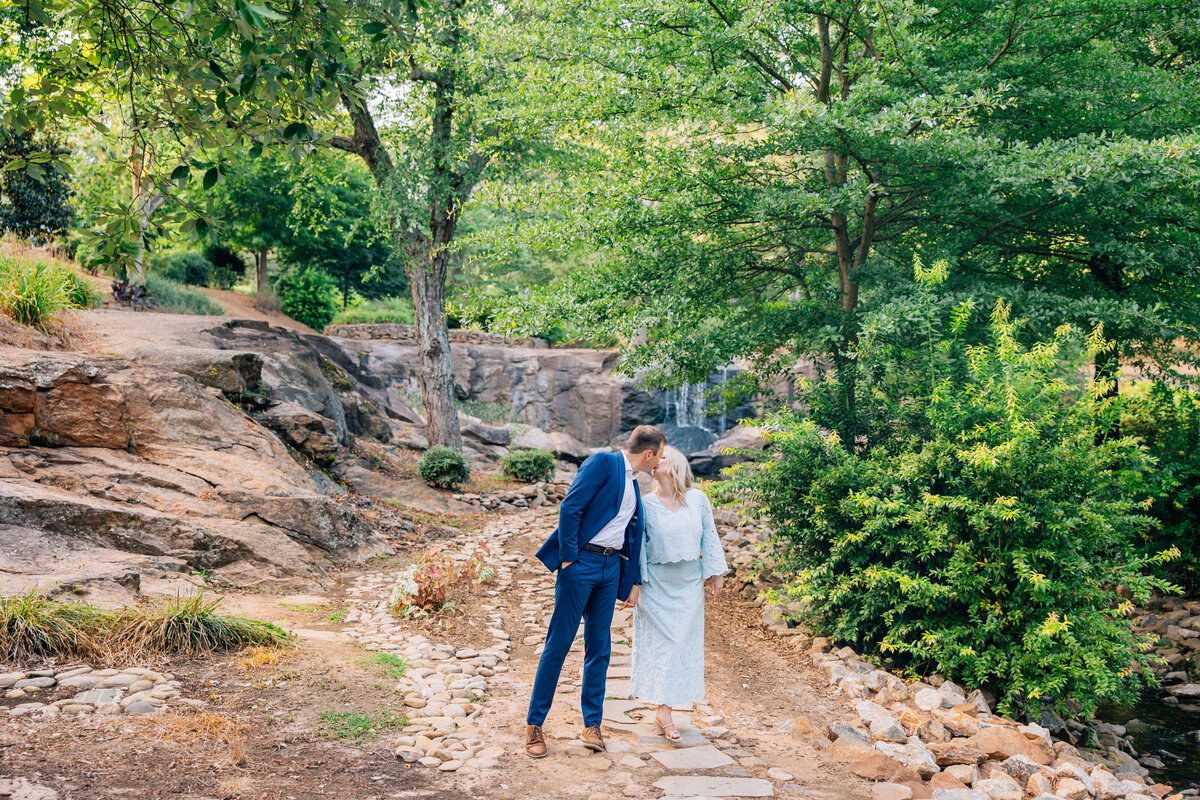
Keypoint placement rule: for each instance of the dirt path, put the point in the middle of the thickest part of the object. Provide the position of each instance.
(271, 729)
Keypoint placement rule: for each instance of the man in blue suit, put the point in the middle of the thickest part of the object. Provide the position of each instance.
(595, 550)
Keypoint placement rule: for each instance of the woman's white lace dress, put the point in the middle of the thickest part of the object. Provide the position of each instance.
(681, 550)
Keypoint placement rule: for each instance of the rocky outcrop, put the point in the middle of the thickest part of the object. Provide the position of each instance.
(568, 391)
(730, 449)
(406, 334)
(132, 470)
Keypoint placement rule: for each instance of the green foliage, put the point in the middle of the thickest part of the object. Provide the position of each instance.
(35, 628)
(34, 290)
(1167, 422)
(184, 266)
(35, 187)
(307, 295)
(356, 725)
(385, 309)
(178, 298)
(490, 413)
(988, 545)
(389, 665)
(443, 467)
(529, 466)
(227, 266)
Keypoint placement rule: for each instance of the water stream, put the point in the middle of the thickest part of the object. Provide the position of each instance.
(1169, 733)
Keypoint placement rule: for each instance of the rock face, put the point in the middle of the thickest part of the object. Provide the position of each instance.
(567, 391)
(116, 472)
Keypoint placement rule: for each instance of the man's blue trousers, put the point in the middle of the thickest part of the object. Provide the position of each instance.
(587, 589)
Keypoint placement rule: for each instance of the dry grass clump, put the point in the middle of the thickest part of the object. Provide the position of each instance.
(261, 657)
(190, 726)
(34, 627)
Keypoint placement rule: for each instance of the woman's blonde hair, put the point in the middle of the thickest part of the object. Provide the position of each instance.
(681, 471)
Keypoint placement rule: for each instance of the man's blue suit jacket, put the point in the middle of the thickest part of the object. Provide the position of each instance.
(592, 501)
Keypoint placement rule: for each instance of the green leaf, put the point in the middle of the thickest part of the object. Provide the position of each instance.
(373, 28)
(211, 177)
(265, 12)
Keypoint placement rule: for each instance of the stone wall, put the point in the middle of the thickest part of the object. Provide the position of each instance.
(405, 334)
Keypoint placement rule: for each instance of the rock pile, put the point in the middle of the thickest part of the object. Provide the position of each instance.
(106, 692)
(532, 496)
(1178, 621)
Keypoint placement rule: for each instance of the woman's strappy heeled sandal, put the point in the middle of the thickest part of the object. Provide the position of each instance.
(669, 730)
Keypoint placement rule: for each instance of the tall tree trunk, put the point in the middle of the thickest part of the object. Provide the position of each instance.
(260, 270)
(436, 366)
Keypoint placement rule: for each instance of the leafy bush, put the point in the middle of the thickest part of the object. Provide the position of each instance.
(227, 266)
(185, 266)
(529, 466)
(307, 296)
(989, 549)
(33, 290)
(178, 298)
(386, 309)
(443, 467)
(37, 192)
(421, 588)
(1167, 422)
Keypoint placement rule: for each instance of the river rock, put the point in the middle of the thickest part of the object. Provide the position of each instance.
(1002, 742)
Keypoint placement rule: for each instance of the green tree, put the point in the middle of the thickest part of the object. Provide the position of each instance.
(333, 227)
(761, 177)
(254, 206)
(35, 188)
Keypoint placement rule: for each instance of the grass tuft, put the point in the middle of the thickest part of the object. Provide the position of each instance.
(34, 627)
(391, 665)
(178, 298)
(33, 290)
(355, 725)
(189, 624)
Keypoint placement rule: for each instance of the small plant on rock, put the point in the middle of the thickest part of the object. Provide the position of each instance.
(443, 467)
(529, 466)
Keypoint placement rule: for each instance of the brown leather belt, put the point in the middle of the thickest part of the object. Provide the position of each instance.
(595, 548)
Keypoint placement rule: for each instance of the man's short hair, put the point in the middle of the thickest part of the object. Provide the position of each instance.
(646, 437)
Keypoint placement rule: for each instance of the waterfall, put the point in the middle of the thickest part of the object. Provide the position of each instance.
(688, 404)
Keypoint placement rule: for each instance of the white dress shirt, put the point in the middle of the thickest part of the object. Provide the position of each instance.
(613, 534)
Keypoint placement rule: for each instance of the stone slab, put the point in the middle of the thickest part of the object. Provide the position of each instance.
(692, 758)
(98, 696)
(714, 786)
(618, 688)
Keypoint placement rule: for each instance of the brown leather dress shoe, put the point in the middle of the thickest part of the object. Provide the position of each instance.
(535, 741)
(592, 739)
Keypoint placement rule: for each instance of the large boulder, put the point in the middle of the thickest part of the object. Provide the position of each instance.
(140, 470)
(710, 461)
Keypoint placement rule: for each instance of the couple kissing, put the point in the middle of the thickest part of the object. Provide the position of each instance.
(652, 555)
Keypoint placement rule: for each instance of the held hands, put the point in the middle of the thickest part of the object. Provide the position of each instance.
(565, 564)
(630, 601)
(717, 582)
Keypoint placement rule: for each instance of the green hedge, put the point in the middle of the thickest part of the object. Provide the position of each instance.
(529, 466)
(443, 468)
(988, 549)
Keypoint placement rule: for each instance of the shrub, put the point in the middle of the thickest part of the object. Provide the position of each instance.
(307, 296)
(386, 309)
(186, 266)
(178, 298)
(529, 466)
(227, 266)
(37, 193)
(989, 549)
(443, 467)
(34, 290)
(1167, 422)
(421, 588)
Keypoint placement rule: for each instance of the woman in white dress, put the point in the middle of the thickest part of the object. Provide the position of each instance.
(680, 552)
